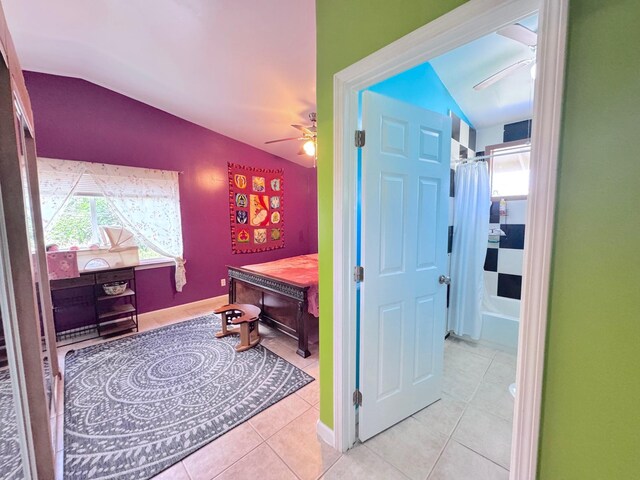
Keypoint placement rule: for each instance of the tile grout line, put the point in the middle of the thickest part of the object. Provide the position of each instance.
(184, 467)
(285, 425)
(433, 467)
(467, 405)
(449, 438)
(481, 455)
(294, 473)
(262, 442)
(383, 459)
(232, 464)
(484, 409)
(282, 460)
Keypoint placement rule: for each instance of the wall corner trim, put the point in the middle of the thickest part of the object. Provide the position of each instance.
(545, 140)
(325, 434)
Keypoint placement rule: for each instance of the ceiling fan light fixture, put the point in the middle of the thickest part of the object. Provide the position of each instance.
(310, 148)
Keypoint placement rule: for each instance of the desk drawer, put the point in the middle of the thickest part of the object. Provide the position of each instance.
(114, 276)
(80, 281)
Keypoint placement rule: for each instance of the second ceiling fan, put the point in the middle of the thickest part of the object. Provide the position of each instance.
(521, 34)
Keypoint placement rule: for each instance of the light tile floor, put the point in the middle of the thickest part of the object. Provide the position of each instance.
(466, 435)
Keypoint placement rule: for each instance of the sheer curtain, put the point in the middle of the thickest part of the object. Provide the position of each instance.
(146, 201)
(470, 235)
(58, 180)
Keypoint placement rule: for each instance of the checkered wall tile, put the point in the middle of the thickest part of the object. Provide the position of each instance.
(503, 263)
(463, 139)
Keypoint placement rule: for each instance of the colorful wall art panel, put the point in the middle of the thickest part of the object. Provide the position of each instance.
(256, 208)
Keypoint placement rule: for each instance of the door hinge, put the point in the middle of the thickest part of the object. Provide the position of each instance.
(357, 398)
(360, 138)
(358, 274)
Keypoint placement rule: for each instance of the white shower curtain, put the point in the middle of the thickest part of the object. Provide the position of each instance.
(470, 236)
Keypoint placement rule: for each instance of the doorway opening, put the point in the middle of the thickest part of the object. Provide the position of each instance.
(432, 43)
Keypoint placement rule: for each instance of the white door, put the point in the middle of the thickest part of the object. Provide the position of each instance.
(405, 190)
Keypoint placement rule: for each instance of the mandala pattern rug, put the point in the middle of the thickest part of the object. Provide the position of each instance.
(136, 406)
(10, 460)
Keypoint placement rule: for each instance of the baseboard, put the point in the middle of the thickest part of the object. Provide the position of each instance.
(325, 434)
(197, 303)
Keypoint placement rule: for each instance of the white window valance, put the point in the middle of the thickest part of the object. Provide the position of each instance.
(147, 201)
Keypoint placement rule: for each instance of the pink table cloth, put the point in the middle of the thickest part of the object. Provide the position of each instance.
(302, 270)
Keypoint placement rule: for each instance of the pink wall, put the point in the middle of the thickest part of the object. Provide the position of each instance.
(77, 120)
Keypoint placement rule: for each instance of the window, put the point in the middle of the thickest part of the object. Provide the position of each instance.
(79, 225)
(509, 169)
(77, 198)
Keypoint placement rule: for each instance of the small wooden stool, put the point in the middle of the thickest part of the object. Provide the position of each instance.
(246, 317)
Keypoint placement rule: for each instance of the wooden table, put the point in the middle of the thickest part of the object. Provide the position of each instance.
(284, 304)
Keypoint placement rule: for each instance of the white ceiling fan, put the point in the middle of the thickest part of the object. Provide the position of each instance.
(521, 34)
(309, 135)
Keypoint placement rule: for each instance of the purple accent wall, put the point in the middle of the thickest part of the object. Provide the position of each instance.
(78, 120)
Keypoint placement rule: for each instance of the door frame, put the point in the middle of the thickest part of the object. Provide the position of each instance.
(466, 23)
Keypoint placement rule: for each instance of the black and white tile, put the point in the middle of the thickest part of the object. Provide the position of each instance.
(509, 260)
(517, 131)
(463, 139)
(504, 260)
(509, 286)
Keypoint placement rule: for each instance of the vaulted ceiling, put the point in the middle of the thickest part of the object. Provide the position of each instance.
(245, 69)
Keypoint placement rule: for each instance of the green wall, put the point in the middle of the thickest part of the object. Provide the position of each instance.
(591, 398)
(591, 417)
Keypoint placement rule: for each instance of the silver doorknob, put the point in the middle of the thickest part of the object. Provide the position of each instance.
(444, 280)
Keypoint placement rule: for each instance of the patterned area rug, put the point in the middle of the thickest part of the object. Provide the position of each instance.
(10, 461)
(136, 406)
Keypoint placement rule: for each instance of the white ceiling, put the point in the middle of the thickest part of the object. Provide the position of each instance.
(508, 100)
(245, 69)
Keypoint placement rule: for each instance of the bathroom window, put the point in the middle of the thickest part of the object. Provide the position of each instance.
(509, 169)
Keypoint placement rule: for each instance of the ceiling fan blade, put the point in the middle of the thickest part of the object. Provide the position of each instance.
(305, 130)
(496, 77)
(520, 33)
(284, 140)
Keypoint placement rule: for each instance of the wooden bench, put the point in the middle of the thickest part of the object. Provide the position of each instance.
(240, 319)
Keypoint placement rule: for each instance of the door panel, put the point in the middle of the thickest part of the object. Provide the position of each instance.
(394, 134)
(425, 320)
(392, 223)
(427, 218)
(390, 338)
(405, 189)
(430, 145)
